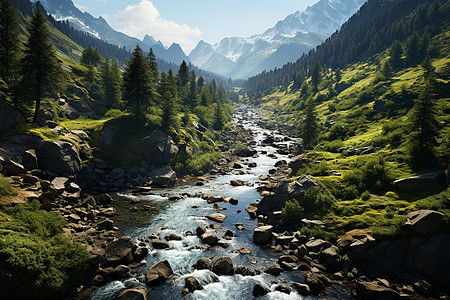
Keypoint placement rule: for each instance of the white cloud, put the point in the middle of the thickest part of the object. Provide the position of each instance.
(143, 18)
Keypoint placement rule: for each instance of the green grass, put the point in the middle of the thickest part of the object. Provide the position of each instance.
(6, 189)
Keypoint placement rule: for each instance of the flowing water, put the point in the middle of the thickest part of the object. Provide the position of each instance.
(186, 214)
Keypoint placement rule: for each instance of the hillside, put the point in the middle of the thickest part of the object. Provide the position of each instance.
(365, 136)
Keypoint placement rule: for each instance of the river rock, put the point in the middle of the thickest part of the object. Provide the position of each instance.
(237, 182)
(251, 210)
(200, 230)
(29, 160)
(424, 221)
(301, 288)
(246, 152)
(203, 264)
(120, 271)
(259, 290)
(58, 185)
(374, 291)
(233, 201)
(263, 235)
(14, 168)
(81, 135)
(214, 199)
(120, 250)
(140, 253)
(296, 163)
(192, 284)
(156, 149)
(244, 250)
(137, 293)
(331, 257)
(9, 116)
(316, 282)
(423, 182)
(164, 177)
(223, 265)
(317, 244)
(158, 273)
(157, 244)
(217, 217)
(274, 270)
(59, 158)
(210, 238)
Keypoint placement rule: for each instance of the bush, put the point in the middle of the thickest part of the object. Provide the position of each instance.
(333, 146)
(114, 113)
(6, 189)
(32, 244)
(365, 196)
(317, 200)
(292, 211)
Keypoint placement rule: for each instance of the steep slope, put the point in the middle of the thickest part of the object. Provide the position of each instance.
(65, 10)
(299, 32)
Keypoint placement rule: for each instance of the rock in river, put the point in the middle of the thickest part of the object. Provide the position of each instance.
(218, 217)
(158, 273)
(223, 265)
(263, 234)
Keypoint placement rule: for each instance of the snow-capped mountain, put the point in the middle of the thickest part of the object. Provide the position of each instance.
(98, 27)
(239, 57)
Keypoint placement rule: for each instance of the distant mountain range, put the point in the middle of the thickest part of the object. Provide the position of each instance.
(98, 27)
(238, 57)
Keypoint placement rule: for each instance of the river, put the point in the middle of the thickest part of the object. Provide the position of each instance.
(184, 215)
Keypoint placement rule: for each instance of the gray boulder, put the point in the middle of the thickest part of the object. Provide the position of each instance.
(423, 182)
(164, 177)
(374, 291)
(192, 284)
(156, 149)
(29, 160)
(263, 235)
(424, 221)
(59, 158)
(9, 116)
(120, 250)
(137, 293)
(223, 265)
(14, 168)
(210, 238)
(158, 273)
(81, 134)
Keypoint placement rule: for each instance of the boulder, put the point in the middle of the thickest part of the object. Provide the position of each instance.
(137, 293)
(58, 185)
(200, 230)
(140, 253)
(374, 291)
(423, 182)
(156, 149)
(210, 238)
(85, 151)
(286, 191)
(192, 284)
(316, 282)
(246, 152)
(81, 135)
(263, 235)
(29, 160)
(120, 250)
(317, 244)
(120, 271)
(117, 174)
(158, 273)
(9, 116)
(14, 168)
(217, 217)
(223, 265)
(233, 201)
(296, 163)
(331, 257)
(164, 177)
(274, 270)
(59, 158)
(301, 288)
(424, 221)
(157, 244)
(259, 290)
(237, 182)
(203, 264)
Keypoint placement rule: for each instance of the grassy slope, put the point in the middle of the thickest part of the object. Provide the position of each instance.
(382, 214)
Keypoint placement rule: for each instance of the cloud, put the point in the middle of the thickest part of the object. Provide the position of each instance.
(143, 18)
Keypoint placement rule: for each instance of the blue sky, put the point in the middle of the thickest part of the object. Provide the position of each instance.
(187, 22)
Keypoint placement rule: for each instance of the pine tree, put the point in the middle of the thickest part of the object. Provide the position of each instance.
(153, 66)
(9, 42)
(412, 47)
(396, 53)
(183, 74)
(116, 89)
(170, 111)
(424, 126)
(192, 101)
(205, 96)
(42, 73)
(138, 87)
(219, 118)
(90, 57)
(316, 75)
(110, 83)
(338, 75)
(386, 69)
(310, 126)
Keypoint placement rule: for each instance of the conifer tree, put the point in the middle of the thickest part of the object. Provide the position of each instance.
(138, 87)
(90, 56)
(192, 95)
(9, 42)
(386, 69)
(310, 126)
(205, 96)
(316, 75)
(183, 74)
(338, 75)
(424, 126)
(219, 118)
(42, 73)
(110, 83)
(396, 53)
(153, 66)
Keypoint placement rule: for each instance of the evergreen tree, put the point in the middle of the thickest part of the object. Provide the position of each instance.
(183, 74)
(412, 47)
(110, 83)
(396, 53)
(192, 101)
(90, 56)
(138, 87)
(338, 75)
(424, 126)
(42, 73)
(170, 111)
(153, 66)
(200, 84)
(219, 118)
(213, 90)
(386, 69)
(316, 75)
(205, 96)
(310, 126)
(9, 42)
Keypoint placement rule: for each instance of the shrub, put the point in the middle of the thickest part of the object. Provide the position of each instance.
(365, 196)
(292, 211)
(317, 200)
(334, 146)
(6, 189)
(113, 113)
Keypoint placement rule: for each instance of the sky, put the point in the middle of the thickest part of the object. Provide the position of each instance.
(188, 21)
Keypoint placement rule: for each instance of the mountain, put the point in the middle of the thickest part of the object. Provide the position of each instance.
(65, 10)
(239, 57)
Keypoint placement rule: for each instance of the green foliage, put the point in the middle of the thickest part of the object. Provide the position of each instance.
(114, 113)
(6, 189)
(42, 74)
(110, 83)
(310, 126)
(9, 42)
(292, 211)
(319, 232)
(31, 243)
(219, 118)
(90, 57)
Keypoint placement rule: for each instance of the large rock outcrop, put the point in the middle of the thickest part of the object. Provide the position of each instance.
(156, 149)
(8, 116)
(423, 182)
(284, 192)
(158, 273)
(59, 158)
(424, 221)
